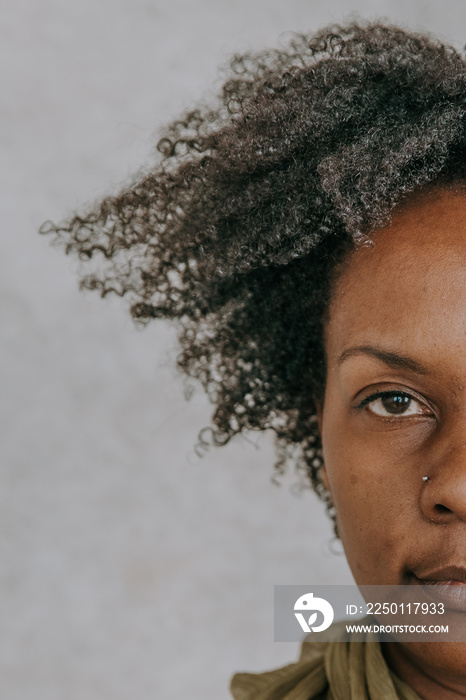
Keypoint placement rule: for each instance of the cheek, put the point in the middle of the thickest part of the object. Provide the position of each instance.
(376, 505)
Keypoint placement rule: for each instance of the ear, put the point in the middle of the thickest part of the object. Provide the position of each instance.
(324, 477)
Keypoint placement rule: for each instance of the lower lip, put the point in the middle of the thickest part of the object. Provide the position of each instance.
(450, 592)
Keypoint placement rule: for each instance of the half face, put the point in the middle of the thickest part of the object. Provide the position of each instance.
(395, 401)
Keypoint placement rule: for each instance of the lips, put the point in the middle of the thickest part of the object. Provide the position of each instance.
(446, 585)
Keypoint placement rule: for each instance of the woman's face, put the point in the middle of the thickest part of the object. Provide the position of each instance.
(395, 401)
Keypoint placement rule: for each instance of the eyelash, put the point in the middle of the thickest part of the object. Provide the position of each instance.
(390, 393)
(385, 395)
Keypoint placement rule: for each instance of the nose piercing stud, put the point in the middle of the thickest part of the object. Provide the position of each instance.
(425, 478)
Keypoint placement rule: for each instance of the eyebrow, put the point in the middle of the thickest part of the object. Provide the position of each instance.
(392, 359)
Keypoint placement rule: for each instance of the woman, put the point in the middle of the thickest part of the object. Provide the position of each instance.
(308, 235)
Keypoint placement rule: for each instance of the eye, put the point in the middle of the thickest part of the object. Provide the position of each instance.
(394, 403)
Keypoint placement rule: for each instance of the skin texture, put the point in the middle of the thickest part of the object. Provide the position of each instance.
(406, 295)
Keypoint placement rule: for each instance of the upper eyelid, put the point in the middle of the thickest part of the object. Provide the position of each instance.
(414, 396)
(388, 392)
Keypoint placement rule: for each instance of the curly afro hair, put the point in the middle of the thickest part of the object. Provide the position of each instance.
(237, 231)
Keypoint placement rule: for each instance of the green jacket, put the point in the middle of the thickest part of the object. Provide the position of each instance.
(339, 670)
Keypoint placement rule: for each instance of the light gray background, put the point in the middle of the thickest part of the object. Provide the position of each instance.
(128, 567)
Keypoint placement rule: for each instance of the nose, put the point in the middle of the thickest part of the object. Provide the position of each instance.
(443, 496)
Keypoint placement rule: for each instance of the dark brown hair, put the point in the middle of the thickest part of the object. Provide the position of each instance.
(236, 231)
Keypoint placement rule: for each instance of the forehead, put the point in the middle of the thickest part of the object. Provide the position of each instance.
(408, 291)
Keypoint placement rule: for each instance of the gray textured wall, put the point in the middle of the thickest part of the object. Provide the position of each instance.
(129, 568)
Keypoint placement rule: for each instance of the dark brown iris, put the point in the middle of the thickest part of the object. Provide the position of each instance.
(396, 403)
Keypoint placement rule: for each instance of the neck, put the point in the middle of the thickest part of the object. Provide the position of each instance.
(427, 680)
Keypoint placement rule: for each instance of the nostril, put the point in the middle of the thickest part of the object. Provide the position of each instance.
(442, 509)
